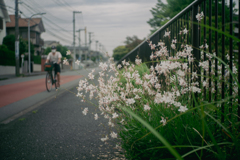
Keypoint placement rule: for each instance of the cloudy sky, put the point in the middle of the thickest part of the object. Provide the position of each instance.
(111, 21)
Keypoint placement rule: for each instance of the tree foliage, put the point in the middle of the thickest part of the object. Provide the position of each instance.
(9, 41)
(62, 49)
(130, 44)
(119, 52)
(162, 12)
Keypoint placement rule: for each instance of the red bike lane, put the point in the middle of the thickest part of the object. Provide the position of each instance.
(14, 92)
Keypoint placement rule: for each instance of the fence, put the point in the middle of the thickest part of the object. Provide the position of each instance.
(226, 19)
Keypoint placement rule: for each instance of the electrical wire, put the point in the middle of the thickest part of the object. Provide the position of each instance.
(50, 23)
(64, 2)
(53, 34)
(60, 4)
(34, 3)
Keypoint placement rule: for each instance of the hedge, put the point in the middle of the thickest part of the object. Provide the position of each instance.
(37, 59)
(7, 57)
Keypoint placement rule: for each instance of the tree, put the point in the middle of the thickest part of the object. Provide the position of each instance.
(62, 49)
(9, 41)
(162, 12)
(119, 52)
(132, 42)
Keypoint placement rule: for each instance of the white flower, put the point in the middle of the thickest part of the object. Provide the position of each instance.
(111, 124)
(79, 94)
(206, 46)
(185, 31)
(158, 86)
(164, 121)
(130, 101)
(77, 62)
(138, 61)
(124, 62)
(199, 16)
(103, 66)
(65, 61)
(174, 41)
(106, 116)
(113, 135)
(173, 46)
(180, 73)
(96, 116)
(85, 111)
(68, 52)
(137, 97)
(90, 76)
(182, 109)
(122, 121)
(166, 34)
(115, 115)
(119, 66)
(104, 139)
(146, 107)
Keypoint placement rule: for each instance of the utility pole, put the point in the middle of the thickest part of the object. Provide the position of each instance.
(74, 49)
(90, 41)
(79, 43)
(16, 39)
(86, 43)
(97, 51)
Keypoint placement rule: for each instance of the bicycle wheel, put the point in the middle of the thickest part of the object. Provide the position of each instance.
(49, 82)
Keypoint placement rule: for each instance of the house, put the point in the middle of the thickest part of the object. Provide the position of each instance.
(4, 17)
(36, 29)
(50, 44)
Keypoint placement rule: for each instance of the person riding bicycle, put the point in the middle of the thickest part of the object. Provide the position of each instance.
(55, 57)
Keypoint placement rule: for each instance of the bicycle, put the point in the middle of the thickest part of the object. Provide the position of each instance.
(50, 80)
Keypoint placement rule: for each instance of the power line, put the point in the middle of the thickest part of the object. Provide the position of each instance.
(48, 30)
(51, 33)
(60, 4)
(51, 22)
(67, 4)
(34, 3)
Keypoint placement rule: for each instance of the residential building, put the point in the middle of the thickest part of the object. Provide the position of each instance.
(50, 44)
(4, 18)
(36, 29)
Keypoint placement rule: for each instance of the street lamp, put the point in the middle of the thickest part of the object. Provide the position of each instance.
(29, 54)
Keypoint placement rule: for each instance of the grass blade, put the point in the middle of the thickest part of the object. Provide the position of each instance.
(154, 132)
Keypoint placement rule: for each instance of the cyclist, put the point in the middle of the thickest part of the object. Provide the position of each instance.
(55, 57)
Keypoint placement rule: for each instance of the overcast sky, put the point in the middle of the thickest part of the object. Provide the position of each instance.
(111, 21)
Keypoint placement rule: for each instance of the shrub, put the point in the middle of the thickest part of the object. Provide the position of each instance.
(162, 112)
(37, 59)
(7, 57)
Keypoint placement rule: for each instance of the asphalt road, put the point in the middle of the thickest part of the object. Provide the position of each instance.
(57, 129)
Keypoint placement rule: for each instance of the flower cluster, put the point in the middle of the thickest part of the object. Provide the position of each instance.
(199, 16)
(168, 81)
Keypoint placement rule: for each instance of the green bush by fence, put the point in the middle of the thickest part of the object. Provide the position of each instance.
(37, 59)
(7, 57)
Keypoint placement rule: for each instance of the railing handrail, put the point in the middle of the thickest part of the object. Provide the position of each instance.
(170, 21)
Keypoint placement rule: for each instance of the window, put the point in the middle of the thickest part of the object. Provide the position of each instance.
(1, 24)
(32, 34)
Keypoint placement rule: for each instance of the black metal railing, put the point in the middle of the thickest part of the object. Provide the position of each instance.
(220, 14)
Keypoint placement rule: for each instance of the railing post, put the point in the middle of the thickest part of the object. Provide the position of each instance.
(195, 44)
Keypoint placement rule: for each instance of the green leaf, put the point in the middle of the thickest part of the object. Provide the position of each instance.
(154, 132)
